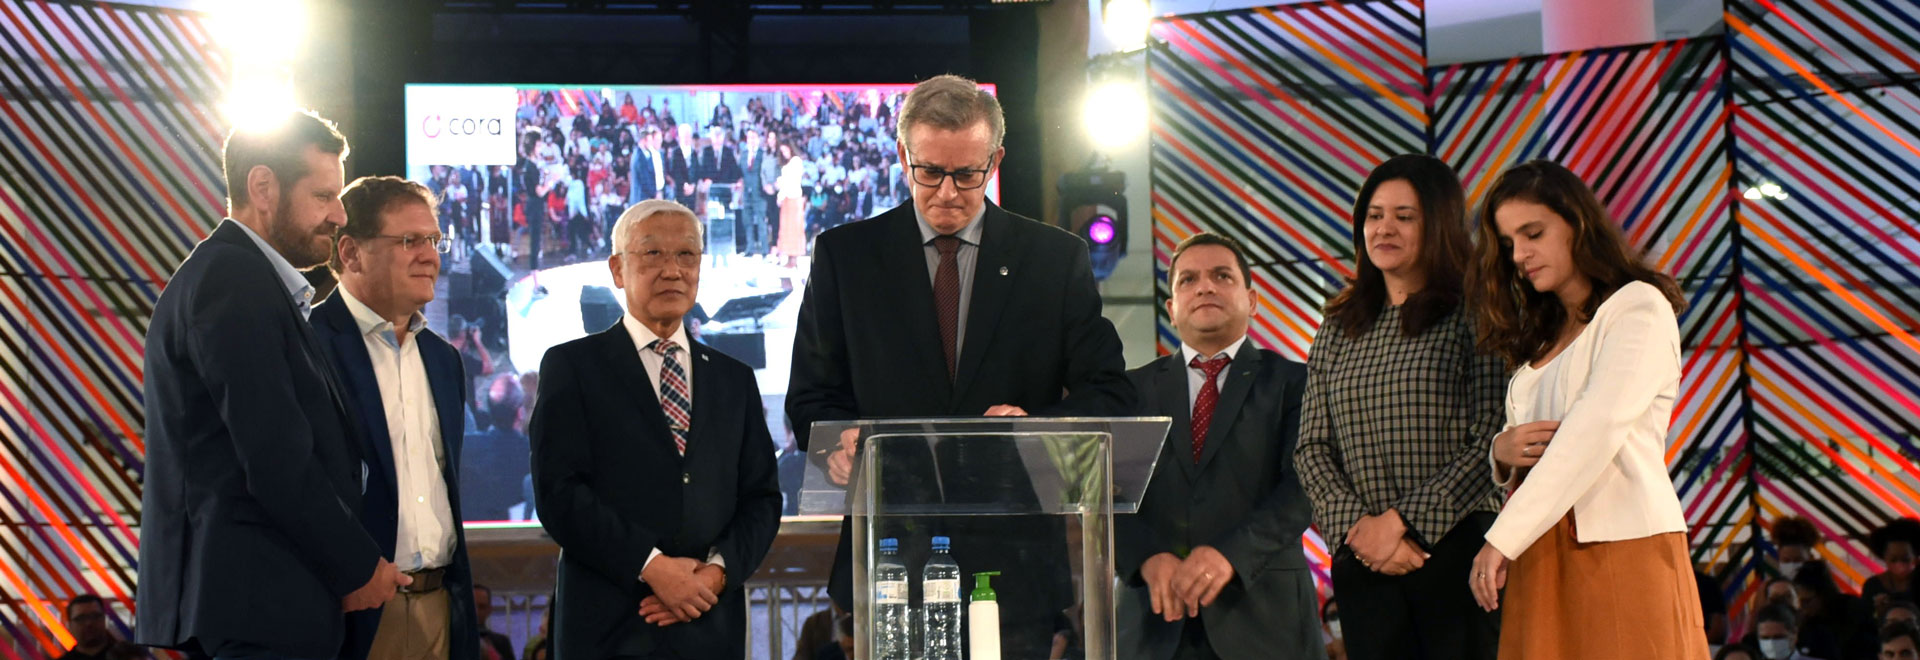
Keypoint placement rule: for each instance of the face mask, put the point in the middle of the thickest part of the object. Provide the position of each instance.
(1334, 627)
(1776, 649)
(1789, 569)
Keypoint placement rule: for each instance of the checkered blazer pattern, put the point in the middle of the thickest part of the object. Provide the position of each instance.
(1397, 422)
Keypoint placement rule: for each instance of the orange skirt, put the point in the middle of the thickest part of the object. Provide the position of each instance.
(1618, 599)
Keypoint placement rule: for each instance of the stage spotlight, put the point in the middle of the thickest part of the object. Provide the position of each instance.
(1115, 114)
(257, 102)
(1768, 189)
(259, 33)
(1126, 22)
(1093, 205)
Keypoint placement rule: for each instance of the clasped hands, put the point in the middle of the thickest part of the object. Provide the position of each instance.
(1381, 544)
(1180, 587)
(683, 589)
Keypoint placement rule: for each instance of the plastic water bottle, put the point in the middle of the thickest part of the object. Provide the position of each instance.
(890, 632)
(940, 591)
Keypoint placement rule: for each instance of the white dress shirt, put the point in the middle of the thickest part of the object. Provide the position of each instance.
(1612, 389)
(1197, 378)
(425, 536)
(643, 338)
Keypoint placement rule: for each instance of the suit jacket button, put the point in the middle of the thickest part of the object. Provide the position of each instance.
(686, 477)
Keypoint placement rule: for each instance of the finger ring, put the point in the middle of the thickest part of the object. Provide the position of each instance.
(1526, 451)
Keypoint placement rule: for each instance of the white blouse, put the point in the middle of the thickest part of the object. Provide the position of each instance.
(1612, 389)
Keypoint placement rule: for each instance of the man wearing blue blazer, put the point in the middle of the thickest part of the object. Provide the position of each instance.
(402, 384)
(250, 541)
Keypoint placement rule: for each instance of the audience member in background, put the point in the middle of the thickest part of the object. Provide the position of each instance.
(1779, 591)
(1330, 625)
(87, 620)
(1900, 611)
(1737, 652)
(1899, 642)
(499, 645)
(842, 647)
(1833, 625)
(495, 460)
(1797, 541)
(1713, 606)
(1895, 544)
(815, 633)
(1778, 632)
(541, 646)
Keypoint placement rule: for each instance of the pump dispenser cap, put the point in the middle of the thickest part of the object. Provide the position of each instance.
(982, 588)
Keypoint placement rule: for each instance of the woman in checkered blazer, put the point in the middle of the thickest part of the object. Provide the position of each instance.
(1395, 424)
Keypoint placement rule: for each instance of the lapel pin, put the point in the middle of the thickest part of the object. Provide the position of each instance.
(1003, 271)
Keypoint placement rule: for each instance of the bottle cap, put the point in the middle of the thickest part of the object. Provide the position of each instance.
(982, 588)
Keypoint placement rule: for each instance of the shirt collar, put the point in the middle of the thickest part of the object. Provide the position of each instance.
(290, 277)
(644, 336)
(370, 321)
(1189, 352)
(969, 234)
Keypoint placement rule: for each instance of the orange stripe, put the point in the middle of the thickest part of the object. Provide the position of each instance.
(1378, 88)
(1699, 211)
(1828, 282)
(1840, 439)
(1810, 77)
(1526, 125)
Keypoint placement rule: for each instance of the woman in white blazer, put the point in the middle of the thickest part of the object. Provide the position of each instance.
(1592, 528)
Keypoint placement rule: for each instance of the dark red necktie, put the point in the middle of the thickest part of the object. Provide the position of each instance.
(1208, 398)
(946, 295)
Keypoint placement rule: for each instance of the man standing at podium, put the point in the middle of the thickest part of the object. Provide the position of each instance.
(953, 307)
(1213, 559)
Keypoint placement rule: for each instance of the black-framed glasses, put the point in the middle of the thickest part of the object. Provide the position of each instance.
(967, 179)
(651, 259)
(440, 242)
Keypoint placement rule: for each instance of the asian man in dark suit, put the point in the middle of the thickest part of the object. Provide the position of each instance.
(1212, 562)
(653, 467)
(404, 386)
(953, 307)
(250, 542)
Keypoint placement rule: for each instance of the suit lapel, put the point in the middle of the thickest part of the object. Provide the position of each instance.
(624, 358)
(706, 398)
(1171, 385)
(903, 269)
(1227, 411)
(356, 372)
(999, 250)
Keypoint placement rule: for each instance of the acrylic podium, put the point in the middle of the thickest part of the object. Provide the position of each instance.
(1030, 498)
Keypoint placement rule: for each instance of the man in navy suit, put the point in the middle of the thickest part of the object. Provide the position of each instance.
(403, 384)
(652, 465)
(1212, 560)
(250, 542)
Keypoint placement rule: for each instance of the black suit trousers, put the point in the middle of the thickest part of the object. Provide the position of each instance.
(1427, 614)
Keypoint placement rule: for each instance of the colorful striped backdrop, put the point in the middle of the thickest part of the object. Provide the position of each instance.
(1802, 383)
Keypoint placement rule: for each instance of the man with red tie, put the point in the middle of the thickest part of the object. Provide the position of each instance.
(1213, 557)
(652, 465)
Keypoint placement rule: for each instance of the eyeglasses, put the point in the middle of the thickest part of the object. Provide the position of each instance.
(651, 259)
(440, 242)
(932, 177)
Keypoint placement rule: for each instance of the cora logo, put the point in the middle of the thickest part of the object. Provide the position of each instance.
(433, 126)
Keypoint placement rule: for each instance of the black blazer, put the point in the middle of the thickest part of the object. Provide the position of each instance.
(868, 346)
(340, 337)
(609, 487)
(249, 529)
(1243, 498)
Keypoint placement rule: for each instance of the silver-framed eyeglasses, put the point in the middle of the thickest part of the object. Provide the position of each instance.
(439, 242)
(651, 259)
(964, 179)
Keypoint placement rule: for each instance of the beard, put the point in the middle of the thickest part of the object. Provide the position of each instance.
(298, 247)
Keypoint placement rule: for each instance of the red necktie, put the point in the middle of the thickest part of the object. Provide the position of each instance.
(946, 295)
(1204, 403)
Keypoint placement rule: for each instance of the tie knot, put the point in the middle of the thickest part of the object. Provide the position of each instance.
(665, 347)
(1212, 367)
(947, 244)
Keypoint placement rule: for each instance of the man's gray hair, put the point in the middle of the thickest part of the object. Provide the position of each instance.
(647, 209)
(950, 102)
